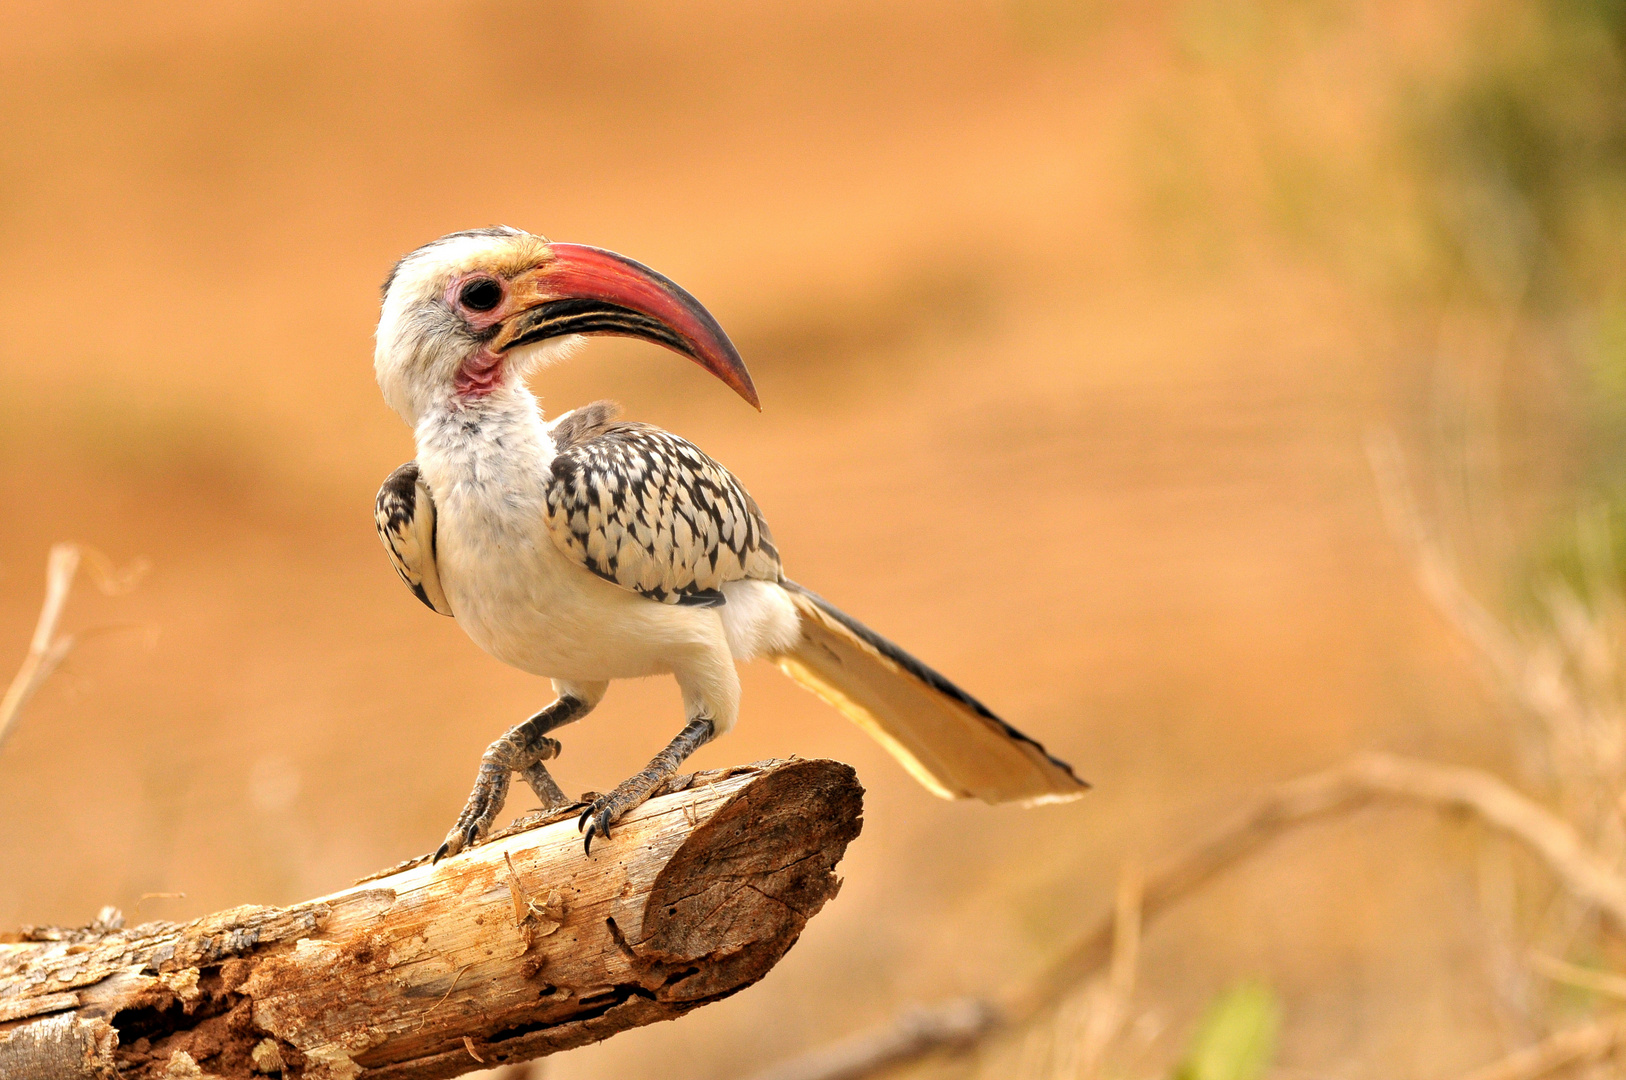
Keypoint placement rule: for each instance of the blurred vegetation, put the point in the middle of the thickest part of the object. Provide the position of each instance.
(1490, 192)
(1236, 1038)
(1523, 159)
(1479, 198)
(1527, 154)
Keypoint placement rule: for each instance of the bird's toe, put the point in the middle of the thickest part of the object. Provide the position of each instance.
(596, 821)
(453, 843)
(472, 826)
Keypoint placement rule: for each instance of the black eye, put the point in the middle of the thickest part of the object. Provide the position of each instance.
(481, 294)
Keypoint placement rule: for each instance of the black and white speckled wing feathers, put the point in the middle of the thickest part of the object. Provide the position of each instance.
(405, 516)
(649, 511)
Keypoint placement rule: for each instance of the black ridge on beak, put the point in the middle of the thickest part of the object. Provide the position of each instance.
(582, 315)
(585, 290)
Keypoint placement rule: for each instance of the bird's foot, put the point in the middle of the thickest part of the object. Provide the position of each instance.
(485, 803)
(606, 810)
(490, 792)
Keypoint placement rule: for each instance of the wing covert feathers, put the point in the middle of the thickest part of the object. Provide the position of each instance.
(945, 738)
(405, 516)
(647, 510)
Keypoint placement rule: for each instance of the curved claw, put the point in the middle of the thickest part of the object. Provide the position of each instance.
(595, 821)
(457, 840)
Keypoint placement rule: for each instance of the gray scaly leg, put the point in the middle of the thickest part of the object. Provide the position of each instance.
(541, 782)
(523, 749)
(631, 792)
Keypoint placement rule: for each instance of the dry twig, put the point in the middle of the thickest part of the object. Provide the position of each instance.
(1575, 1046)
(1365, 779)
(1562, 677)
(918, 1032)
(47, 650)
(1105, 1008)
(1598, 982)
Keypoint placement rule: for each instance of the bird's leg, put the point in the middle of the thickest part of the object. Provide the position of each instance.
(631, 792)
(541, 781)
(522, 749)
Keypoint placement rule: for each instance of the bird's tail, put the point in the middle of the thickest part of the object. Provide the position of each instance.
(947, 739)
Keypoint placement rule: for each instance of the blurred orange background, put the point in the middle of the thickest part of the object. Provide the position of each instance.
(1070, 320)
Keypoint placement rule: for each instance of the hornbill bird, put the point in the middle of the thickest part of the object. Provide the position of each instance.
(588, 548)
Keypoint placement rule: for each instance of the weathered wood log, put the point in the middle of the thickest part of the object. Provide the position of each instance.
(519, 948)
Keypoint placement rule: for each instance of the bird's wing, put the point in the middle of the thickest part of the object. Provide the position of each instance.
(647, 510)
(405, 516)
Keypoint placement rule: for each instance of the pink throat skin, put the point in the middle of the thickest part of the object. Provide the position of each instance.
(479, 375)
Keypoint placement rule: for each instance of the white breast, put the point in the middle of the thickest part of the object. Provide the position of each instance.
(511, 589)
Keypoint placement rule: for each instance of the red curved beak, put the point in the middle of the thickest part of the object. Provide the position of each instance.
(587, 290)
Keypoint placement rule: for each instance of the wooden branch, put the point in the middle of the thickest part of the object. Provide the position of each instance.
(1359, 782)
(521, 947)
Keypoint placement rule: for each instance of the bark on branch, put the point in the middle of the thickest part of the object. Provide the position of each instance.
(519, 948)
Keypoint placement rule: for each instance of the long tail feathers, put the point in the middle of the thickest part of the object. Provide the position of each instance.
(947, 739)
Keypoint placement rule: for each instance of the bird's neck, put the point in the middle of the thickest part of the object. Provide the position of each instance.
(495, 439)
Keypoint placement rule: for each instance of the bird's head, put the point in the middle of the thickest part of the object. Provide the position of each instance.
(475, 311)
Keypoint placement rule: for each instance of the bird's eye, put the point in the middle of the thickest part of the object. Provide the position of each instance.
(481, 294)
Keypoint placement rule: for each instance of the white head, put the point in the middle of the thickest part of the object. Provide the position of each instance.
(476, 311)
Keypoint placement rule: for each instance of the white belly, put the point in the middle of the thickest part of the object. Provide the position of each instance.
(523, 601)
(527, 603)
(511, 589)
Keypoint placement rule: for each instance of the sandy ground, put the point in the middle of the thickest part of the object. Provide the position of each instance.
(1096, 453)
